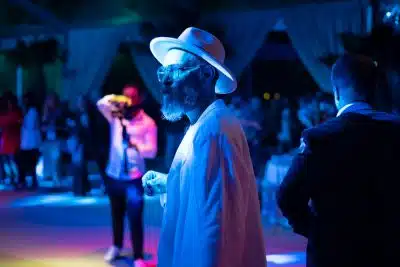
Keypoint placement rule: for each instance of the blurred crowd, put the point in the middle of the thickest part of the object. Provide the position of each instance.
(62, 139)
(48, 131)
(274, 127)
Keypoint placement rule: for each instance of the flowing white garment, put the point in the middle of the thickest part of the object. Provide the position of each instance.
(212, 213)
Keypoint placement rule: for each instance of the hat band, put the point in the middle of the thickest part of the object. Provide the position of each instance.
(201, 48)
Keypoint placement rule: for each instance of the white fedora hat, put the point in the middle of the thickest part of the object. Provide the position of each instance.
(202, 44)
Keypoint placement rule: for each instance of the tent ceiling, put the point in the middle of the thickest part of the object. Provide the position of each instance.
(126, 11)
(68, 11)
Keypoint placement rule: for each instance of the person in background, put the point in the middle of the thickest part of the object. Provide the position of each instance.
(285, 138)
(53, 127)
(290, 129)
(212, 213)
(341, 191)
(133, 139)
(3, 175)
(82, 144)
(236, 105)
(327, 107)
(31, 140)
(308, 112)
(252, 120)
(10, 124)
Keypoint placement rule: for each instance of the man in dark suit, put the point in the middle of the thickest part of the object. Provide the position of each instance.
(341, 191)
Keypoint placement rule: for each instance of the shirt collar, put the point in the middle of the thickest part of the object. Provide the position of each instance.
(355, 107)
(219, 103)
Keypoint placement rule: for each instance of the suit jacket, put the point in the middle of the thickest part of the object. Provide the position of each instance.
(342, 192)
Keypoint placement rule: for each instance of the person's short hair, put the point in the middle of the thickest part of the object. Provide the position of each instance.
(11, 98)
(355, 73)
(131, 85)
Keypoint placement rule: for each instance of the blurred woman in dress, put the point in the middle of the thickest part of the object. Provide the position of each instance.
(82, 143)
(10, 125)
(53, 128)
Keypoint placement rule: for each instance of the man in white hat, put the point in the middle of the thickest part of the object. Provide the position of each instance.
(212, 213)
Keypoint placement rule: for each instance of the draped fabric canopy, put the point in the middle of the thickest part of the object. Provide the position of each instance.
(315, 33)
(243, 32)
(147, 66)
(313, 30)
(243, 23)
(90, 56)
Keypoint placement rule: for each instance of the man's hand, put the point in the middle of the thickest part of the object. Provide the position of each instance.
(154, 183)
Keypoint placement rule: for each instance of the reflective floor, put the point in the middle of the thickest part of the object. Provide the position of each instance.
(57, 230)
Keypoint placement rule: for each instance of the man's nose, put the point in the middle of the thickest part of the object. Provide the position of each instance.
(166, 83)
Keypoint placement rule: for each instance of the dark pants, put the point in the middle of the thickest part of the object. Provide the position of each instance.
(81, 184)
(126, 197)
(101, 157)
(27, 160)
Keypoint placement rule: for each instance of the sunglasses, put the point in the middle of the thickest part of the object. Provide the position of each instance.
(175, 72)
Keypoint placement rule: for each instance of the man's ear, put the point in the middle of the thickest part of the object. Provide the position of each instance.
(208, 72)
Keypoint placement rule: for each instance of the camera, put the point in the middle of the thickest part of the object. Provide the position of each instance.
(124, 110)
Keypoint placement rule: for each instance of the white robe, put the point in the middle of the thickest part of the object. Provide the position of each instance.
(212, 213)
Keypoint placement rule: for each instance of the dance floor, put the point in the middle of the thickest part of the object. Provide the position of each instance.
(59, 230)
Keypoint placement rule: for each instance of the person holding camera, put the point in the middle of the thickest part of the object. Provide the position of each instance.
(133, 139)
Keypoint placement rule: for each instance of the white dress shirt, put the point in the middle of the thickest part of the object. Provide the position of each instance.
(142, 132)
(30, 131)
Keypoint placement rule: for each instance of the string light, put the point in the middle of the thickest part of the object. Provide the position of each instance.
(392, 15)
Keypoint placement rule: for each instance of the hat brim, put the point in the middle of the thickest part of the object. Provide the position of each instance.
(226, 82)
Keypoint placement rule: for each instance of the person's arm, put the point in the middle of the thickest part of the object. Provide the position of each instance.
(105, 107)
(293, 195)
(218, 194)
(148, 148)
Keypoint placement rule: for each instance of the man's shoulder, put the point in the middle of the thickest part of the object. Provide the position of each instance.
(219, 124)
(148, 120)
(352, 121)
(326, 128)
(386, 117)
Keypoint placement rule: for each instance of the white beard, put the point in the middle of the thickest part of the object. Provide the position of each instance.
(171, 111)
